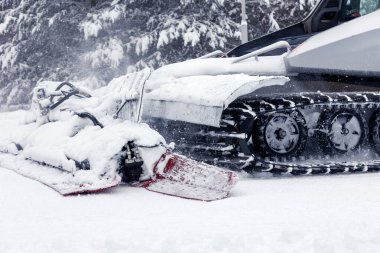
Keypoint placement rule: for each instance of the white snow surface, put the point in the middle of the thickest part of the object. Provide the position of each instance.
(298, 214)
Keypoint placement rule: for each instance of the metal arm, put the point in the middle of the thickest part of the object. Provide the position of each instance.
(280, 44)
(213, 54)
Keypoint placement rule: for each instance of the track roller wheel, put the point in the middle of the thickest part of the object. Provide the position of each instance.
(374, 130)
(341, 131)
(280, 134)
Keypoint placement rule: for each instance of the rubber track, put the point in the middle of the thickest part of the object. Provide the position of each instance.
(248, 109)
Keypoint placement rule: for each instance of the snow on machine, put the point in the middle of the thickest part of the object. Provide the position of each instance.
(283, 108)
(74, 141)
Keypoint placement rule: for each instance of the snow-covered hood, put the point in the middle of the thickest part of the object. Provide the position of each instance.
(197, 91)
(260, 66)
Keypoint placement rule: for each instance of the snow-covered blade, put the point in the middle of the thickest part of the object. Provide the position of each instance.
(61, 181)
(74, 142)
(71, 156)
(180, 176)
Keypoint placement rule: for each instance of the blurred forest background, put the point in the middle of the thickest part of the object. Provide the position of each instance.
(96, 40)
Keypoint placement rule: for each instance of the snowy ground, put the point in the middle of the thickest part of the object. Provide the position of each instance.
(303, 214)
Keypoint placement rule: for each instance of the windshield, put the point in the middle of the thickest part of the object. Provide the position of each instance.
(357, 8)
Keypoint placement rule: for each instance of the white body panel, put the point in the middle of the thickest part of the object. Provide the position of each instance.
(201, 99)
(198, 90)
(352, 48)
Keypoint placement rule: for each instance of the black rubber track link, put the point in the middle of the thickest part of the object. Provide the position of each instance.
(232, 144)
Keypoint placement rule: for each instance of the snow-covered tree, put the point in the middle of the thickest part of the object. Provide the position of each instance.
(40, 39)
(154, 33)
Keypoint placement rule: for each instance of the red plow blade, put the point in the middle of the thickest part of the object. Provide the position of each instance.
(183, 177)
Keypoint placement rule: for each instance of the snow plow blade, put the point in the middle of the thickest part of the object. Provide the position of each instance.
(63, 182)
(174, 175)
(77, 141)
(179, 176)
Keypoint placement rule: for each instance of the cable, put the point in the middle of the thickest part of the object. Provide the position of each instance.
(91, 117)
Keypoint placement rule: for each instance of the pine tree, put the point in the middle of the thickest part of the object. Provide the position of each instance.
(38, 41)
(160, 32)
